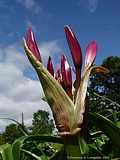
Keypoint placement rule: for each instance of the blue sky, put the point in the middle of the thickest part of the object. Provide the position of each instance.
(90, 19)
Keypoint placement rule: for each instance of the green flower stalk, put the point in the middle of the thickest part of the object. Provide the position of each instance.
(69, 114)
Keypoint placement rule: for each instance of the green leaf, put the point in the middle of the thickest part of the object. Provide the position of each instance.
(96, 134)
(118, 124)
(31, 154)
(107, 126)
(44, 138)
(19, 124)
(60, 154)
(6, 152)
(44, 99)
(94, 151)
(84, 149)
(16, 147)
(99, 143)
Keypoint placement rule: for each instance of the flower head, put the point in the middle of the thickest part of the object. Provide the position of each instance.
(68, 111)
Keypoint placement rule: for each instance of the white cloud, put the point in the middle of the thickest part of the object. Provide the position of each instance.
(49, 49)
(18, 93)
(30, 4)
(91, 5)
(27, 3)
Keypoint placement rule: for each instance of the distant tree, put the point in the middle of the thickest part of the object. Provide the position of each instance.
(112, 84)
(107, 86)
(12, 132)
(2, 140)
(42, 124)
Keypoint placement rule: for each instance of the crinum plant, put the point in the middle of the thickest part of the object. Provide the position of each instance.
(68, 100)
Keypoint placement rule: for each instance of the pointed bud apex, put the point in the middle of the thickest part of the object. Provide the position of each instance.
(31, 44)
(74, 46)
(91, 51)
(50, 66)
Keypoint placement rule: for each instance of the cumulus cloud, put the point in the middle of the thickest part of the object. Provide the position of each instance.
(49, 49)
(18, 92)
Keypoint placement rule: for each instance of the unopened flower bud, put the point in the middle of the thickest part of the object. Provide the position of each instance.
(50, 66)
(74, 46)
(91, 51)
(31, 44)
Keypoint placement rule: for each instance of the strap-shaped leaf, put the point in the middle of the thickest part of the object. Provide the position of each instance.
(16, 148)
(60, 103)
(107, 126)
(6, 152)
(84, 148)
(43, 139)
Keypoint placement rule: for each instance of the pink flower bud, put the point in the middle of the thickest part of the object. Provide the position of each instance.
(63, 72)
(50, 66)
(58, 76)
(69, 77)
(74, 46)
(66, 73)
(91, 51)
(31, 44)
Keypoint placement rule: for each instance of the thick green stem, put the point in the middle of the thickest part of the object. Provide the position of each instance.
(72, 147)
(73, 151)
